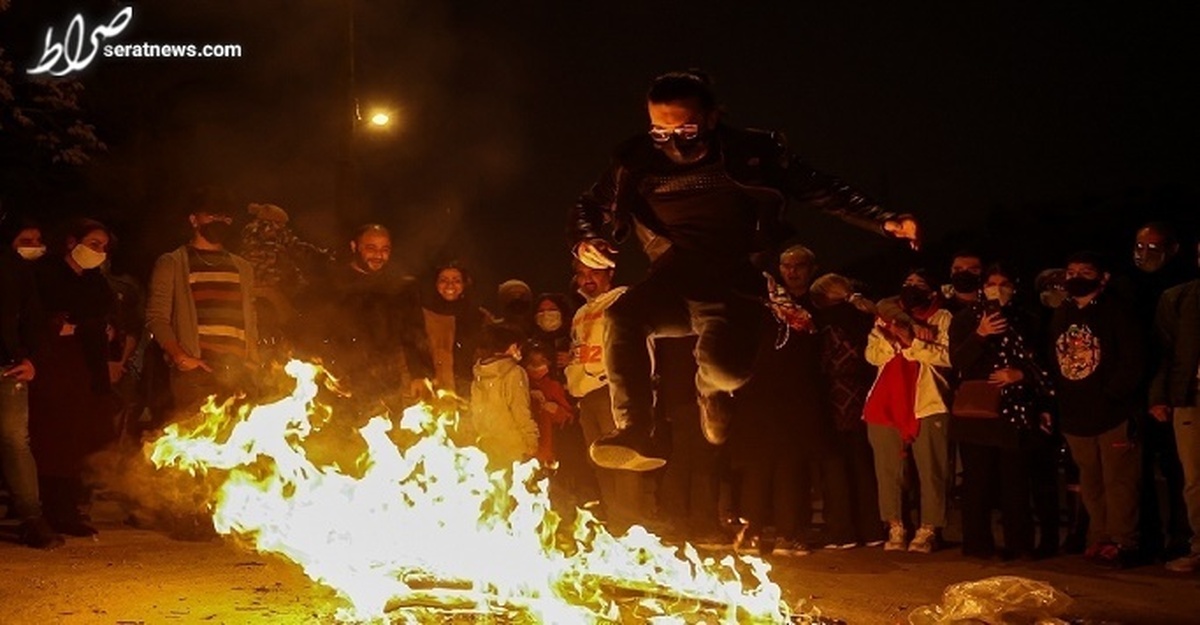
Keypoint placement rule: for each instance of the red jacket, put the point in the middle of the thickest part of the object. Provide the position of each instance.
(551, 409)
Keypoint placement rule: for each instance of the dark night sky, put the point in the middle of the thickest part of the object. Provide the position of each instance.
(1055, 117)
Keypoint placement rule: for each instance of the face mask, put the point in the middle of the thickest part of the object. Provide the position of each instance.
(538, 372)
(1081, 287)
(31, 253)
(965, 282)
(217, 232)
(913, 296)
(684, 151)
(86, 257)
(1002, 294)
(549, 320)
(1054, 298)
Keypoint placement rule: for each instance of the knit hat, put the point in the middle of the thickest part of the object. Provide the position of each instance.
(268, 212)
(510, 290)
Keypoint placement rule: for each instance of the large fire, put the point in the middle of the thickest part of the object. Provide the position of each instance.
(422, 525)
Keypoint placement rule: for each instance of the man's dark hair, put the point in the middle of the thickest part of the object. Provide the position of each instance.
(966, 253)
(1164, 229)
(209, 199)
(1088, 257)
(12, 226)
(685, 85)
(362, 230)
(498, 337)
(923, 274)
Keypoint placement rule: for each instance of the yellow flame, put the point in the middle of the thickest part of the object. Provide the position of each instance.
(431, 511)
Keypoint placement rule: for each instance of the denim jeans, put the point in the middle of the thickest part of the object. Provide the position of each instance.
(16, 459)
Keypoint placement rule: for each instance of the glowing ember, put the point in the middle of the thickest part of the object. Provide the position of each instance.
(423, 525)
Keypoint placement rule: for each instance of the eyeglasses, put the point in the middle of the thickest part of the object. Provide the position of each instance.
(686, 132)
(1153, 247)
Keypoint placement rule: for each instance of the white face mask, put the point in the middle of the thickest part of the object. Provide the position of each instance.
(31, 253)
(86, 257)
(1002, 294)
(549, 320)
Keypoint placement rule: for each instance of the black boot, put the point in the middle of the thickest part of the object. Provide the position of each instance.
(631, 449)
(37, 533)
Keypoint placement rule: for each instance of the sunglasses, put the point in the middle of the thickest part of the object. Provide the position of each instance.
(686, 132)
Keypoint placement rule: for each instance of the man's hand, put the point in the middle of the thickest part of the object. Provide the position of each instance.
(596, 253)
(925, 333)
(904, 227)
(1161, 413)
(188, 363)
(21, 372)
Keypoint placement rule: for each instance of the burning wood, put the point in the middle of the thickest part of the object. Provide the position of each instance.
(423, 527)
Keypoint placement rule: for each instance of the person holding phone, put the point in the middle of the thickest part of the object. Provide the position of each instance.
(1001, 413)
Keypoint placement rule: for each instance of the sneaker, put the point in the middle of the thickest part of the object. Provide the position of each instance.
(627, 449)
(896, 539)
(38, 534)
(925, 540)
(873, 543)
(1112, 556)
(788, 547)
(1094, 550)
(716, 412)
(1186, 564)
(841, 546)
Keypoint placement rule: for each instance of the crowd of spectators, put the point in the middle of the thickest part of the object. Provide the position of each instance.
(875, 416)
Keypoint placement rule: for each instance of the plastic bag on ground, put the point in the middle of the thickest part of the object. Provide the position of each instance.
(1007, 600)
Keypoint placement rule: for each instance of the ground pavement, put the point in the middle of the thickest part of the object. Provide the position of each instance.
(127, 576)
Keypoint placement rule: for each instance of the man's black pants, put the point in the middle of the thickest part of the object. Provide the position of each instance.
(682, 296)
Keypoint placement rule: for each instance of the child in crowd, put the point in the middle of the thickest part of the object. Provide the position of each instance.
(500, 398)
(551, 408)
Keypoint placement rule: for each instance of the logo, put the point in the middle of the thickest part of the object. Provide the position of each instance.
(62, 58)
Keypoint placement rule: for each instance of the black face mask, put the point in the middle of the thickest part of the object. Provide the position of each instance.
(913, 296)
(965, 282)
(1081, 287)
(218, 232)
(684, 151)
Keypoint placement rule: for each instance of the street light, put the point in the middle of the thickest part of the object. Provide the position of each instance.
(380, 119)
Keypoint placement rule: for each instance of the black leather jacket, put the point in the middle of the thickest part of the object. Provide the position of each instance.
(757, 160)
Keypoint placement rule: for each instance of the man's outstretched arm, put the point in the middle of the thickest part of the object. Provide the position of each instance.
(816, 190)
(595, 208)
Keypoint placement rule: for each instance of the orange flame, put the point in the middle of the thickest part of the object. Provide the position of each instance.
(431, 511)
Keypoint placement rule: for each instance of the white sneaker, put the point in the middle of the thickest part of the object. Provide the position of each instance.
(896, 539)
(924, 541)
(1186, 564)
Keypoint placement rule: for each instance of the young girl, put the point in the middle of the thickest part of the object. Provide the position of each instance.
(550, 405)
(500, 400)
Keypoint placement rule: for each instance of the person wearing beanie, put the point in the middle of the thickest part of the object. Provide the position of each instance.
(515, 305)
